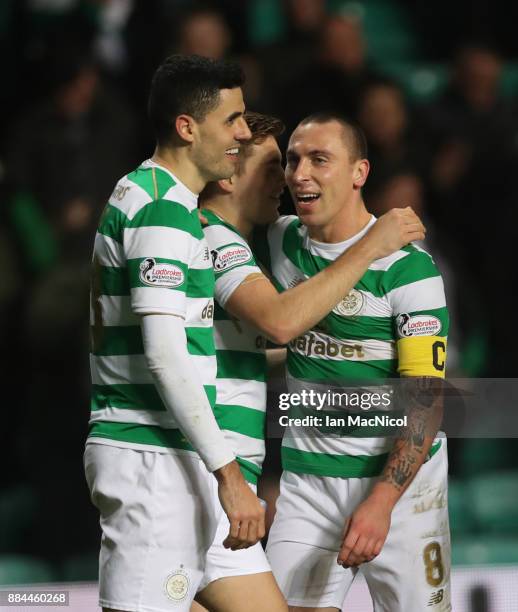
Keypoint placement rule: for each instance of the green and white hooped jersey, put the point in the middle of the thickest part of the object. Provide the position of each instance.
(240, 351)
(150, 257)
(394, 322)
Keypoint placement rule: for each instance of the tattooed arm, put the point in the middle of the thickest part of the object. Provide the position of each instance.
(423, 402)
(366, 530)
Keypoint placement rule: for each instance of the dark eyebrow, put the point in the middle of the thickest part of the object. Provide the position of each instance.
(234, 116)
(312, 153)
(315, 152)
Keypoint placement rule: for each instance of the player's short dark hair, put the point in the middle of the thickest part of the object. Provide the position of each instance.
(261, 126)
(353, 135)
(188, 84)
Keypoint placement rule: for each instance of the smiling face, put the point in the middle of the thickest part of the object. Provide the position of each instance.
(322, 174)
(260, 181)
(217, 139)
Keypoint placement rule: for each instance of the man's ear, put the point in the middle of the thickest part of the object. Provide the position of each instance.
(227, 185)
(361, 172)
(184, 125)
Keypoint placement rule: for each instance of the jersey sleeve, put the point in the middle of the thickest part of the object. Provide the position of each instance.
(278, 259)
(275, 235)
(232, 259)
(159, 243)
(420, 316)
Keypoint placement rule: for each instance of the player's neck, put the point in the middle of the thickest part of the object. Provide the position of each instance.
(228, 211)
(346, 224)
(177, 161)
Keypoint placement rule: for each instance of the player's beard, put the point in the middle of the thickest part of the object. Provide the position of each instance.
(214, 166)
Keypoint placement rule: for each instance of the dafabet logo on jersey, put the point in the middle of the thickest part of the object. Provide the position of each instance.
(156, 274)
(417, 325)
(229, 256)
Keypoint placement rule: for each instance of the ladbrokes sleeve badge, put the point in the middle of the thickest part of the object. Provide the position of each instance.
(230, 256)
(159, 274)
(417, 325)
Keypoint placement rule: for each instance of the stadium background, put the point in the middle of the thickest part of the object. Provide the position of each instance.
(435, 87)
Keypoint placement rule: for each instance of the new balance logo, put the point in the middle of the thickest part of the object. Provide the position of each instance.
(436, 598)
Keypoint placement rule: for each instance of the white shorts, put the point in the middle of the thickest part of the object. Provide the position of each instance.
(223, 562)
(412, 572)
(158, 519)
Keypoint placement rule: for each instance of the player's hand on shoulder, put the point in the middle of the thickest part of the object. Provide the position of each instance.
(395, 229)
(242, 507)
(365, 533)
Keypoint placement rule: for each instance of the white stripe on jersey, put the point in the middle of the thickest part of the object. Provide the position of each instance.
(108, 252)
(120, 369)
(235, 336)
(133, 369)
(135, 198)
(424, 294)
(326, 443)
(115, 310)
(245, 446)
(139, 417)
(165, 301)
(227, 284)
(166, 241)
(238, 392)
(201, 311)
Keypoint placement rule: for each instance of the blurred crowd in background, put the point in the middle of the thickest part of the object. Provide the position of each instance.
(434, 86)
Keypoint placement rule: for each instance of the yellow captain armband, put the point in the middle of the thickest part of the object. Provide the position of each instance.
(422, 356)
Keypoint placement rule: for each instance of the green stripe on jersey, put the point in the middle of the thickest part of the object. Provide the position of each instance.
(135, 397)
(341, 466)
(113, 281)
(359, 327)
(200, 283)
(200, 340)
(244, 421)
(112, 223)
(118, 340)
(315, 369)
(166, 213)
(127, 397)
(242, 365)
(127, 340)
(140, 434)
(250, 471)
(154, 181)
(220, 314)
